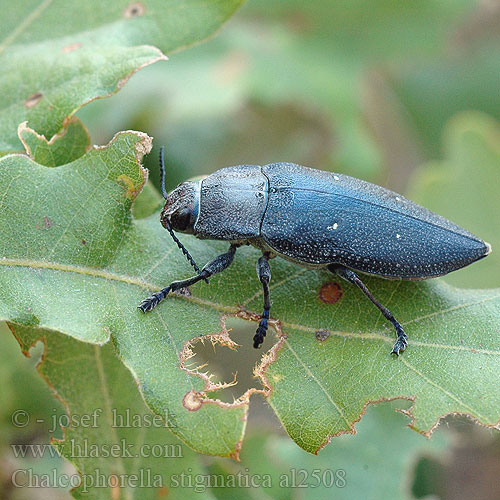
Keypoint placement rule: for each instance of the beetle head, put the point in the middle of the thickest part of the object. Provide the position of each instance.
(181, 208)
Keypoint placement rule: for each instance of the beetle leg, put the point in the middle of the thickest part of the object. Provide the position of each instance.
(217, 265)
(352, 277)
(264, 273)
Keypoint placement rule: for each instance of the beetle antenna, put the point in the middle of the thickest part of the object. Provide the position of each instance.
(162, 172)
(183, 248)
(167, 223)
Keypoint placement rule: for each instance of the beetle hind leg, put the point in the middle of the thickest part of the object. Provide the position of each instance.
(402, 340)
(264, 273)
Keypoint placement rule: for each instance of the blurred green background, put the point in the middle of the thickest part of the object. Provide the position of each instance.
(404, 94)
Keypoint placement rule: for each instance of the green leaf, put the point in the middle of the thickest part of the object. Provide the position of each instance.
(50, 85)
(113, 437)
(76, 262)
(319, 388)
(148, 202)
(68, 145)
(272, 463)
(56, 57)
(85, 254)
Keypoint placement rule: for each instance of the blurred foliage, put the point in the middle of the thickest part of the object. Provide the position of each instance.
(464, 187)
(332, 86)
(28, 412)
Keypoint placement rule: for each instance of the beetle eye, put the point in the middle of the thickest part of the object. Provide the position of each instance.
(181, 219)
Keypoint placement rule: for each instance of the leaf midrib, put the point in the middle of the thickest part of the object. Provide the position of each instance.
(130, 280)
(71, 268)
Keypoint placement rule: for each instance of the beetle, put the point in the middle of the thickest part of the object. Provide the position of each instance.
(315, 219)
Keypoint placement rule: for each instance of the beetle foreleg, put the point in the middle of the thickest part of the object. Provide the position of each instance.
(215, 266)
(352, 277)
(264, 273)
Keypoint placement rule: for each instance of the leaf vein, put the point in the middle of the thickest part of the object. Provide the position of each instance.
(108, 275)
(443, 390)
(24, 25)
(450, 309)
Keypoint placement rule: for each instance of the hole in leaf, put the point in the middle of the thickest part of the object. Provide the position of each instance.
(224, 364)
(136, 9)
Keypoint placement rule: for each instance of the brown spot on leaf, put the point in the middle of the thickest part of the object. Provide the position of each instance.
(322, 335)
(330, 293)
(71, 47)
(33, 100)
(163, 492)
(135, 9)
(192, 401)
(47, 222)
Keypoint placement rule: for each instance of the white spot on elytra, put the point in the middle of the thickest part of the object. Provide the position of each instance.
(336, 177)
(398, 236)
(398, 198)
(335, 226)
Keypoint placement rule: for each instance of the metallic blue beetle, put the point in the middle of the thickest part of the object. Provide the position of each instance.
(315, 219)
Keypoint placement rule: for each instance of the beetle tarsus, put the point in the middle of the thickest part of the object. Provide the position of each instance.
(402, 341)
(400, 344)
(352, 277)
(151, 302)
(258, 338)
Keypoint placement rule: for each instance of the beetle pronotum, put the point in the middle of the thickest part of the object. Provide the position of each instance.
(315, 219)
